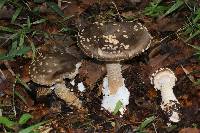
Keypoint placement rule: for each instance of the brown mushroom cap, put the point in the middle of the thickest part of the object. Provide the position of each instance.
(50, 68)
(114, 41)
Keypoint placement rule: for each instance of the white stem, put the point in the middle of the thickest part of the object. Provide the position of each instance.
(167, 95)
(170, 104)
(115, 79)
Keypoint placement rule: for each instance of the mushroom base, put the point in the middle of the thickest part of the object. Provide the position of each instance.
(172, 110)
(109, 101)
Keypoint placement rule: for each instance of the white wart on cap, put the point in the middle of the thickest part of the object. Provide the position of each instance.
(164, 80)
(114, 41)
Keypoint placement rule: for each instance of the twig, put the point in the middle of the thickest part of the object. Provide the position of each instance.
(14, 75)
(191, 78)
(9, 68)
(59, 3)
(13, 98)
(3, 76)
(154, 126)
(117, 11)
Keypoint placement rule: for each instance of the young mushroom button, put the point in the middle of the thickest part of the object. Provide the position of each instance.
(113, 42)
(164, 80)
(51, 68)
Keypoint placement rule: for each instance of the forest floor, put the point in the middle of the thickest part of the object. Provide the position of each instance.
(27, 27)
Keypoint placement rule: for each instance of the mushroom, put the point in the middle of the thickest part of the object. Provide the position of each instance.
(113, 42)
(51, 68)
(164, 80)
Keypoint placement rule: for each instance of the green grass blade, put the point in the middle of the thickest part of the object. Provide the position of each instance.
(21, 97)
(7, 29)
(145, 123)
(193, 35)
(13, 49)
(2, 2)
(39, 21)
(33, 50)
(117, 107)
(32, 128)
(195, 20)
(23, 50)
(39, 1)
(195, 47)
(6, 122)
(21, 39)
(24, 118)
(55, 8)
(16, 14)
(22, 83)
(28, 22)
(174, 7)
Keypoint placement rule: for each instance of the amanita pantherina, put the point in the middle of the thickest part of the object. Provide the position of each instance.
(113, 42)
(164, 80)
(51, 68)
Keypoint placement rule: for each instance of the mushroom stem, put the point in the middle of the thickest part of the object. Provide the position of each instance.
(170, 104)
(164, 80)
(69, 97)
(167, 94)
(115, 79)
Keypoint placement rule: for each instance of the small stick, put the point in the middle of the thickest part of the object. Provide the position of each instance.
(117, 11)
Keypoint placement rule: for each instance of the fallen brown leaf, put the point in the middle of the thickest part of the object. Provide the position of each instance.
(189, 130)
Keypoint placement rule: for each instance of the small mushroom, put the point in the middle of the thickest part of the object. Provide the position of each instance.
(113, 42)
(51, 68)
(164, 80)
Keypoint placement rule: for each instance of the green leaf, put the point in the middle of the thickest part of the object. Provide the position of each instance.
(23, 50)
(193, 35)
(195, 20)
(13, 49)
(6, 122)
(39, 21)
(67, 17)
(21, 39)
(24, 118)
(154, 9)
(22, 82)
(6, 57)
(145, 123)
(33, 50)
(32, 128)
(16, 14)
(39, 1)
(21, 97)
(28, 22)
(117, 107)
(6, 29)
(197, 82)
(174, 7)
(2, 2)
(36, 11)
(65, 29)
(55, 8)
